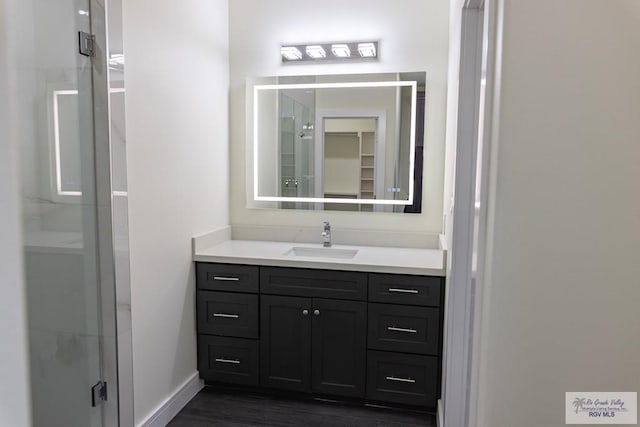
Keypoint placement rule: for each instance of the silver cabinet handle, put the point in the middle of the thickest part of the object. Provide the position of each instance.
(230, 316)
(316, 312)
(402, 380)
(226, 279)
(409, 330)
(305, 312)
(223, 360)
(404, 291)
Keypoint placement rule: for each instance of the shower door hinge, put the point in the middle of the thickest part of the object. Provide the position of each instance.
(98, 393)
(87, 44)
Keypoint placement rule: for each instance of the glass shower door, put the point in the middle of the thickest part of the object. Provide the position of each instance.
(60, 213)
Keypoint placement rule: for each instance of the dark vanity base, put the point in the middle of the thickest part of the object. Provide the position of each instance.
(353, 336)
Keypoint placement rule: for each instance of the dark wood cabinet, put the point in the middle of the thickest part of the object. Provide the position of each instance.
(404, 329)
(334, 333)
(227, 277)
(285, 342)
(228, 314)
(404, 289)
(227, 307)
(351, 285)
(232, 360)
(339, 347)
(311, 344)
(404, 343)
(402, 378)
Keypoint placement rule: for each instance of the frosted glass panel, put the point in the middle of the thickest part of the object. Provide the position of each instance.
(56, 125)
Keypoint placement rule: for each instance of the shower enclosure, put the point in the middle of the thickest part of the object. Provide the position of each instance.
(296, 147)
(69, 106)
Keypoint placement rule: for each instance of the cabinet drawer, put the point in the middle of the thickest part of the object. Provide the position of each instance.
(225, 313)
(402, 289)
(313, 283)
(227, 277)
(231, 360)
(402, 378)
(403, 328)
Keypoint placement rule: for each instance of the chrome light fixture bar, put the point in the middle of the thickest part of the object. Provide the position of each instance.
(341, 50)
(290, 53)
(316, 51)
(329, 52)
(367, 50)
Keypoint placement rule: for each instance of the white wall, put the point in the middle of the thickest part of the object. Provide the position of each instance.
(413, 36)
(15, 404)
(177, 125)
(562, 309)
(455, 31)
(342, 164)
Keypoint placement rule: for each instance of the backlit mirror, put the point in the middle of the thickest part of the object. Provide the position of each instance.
(337, 142)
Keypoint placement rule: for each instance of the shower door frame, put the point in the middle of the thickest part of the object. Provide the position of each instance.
(115, 296)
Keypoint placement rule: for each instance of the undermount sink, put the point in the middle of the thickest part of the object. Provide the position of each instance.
(301, 251)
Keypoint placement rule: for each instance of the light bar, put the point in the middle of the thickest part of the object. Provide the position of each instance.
(290, 53)
(341, 50)
(367, 50)
(335, 52)
(316, 51)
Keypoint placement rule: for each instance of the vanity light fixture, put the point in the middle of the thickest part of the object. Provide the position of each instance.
(316, 51)
(341, 50)
(290, 53)
(367, 50)
(330, 52)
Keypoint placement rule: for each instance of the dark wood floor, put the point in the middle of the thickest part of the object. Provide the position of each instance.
(212, 407)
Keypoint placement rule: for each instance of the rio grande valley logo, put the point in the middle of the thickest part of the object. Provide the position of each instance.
(601, 408)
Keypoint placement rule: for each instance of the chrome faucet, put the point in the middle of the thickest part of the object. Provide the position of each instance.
(326, 234)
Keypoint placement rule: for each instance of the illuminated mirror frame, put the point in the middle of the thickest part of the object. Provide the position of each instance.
(58, 193)
(256, 131)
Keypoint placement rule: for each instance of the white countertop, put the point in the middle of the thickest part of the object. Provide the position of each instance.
(375, 259)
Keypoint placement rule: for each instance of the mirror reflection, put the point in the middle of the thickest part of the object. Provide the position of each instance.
(341, 142)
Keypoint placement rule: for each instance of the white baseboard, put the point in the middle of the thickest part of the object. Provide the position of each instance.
(440, 414)
(173, 404)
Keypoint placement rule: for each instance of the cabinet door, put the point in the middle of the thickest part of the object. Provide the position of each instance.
(339, 347)
(285, 342)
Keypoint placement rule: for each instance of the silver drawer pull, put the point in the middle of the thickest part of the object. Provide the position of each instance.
(226, 279)
(233, 361)
(402, 380)
(229, 316)
(409, 330)
(404, 291)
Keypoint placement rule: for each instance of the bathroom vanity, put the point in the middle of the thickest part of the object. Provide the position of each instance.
(365, 327)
